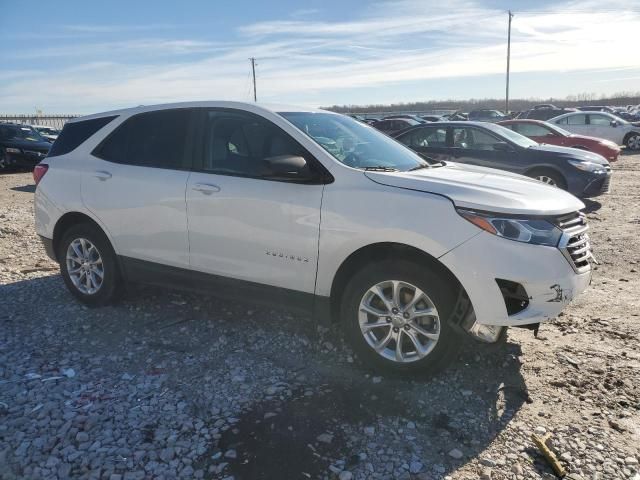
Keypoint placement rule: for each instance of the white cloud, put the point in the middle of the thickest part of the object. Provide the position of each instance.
(388, 46)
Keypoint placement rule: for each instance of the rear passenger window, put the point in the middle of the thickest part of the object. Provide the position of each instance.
(75, 133)
(239, 144)
(153, 139)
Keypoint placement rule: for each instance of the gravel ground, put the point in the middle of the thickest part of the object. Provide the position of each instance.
(171, 385)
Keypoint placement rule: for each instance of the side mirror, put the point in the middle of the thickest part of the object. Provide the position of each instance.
(288, 166)
(502, 147)
(614, 123)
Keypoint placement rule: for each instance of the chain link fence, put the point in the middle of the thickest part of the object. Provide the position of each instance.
(55, 121)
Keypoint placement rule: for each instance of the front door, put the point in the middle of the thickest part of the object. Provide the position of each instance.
(430, 141)
(242, 224)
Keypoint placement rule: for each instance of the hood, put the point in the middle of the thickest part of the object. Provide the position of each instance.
(484, 189)
(566, 152)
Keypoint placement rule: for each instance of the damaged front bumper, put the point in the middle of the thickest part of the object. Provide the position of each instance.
(512, 283)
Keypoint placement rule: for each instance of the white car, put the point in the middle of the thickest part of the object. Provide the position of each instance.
(47, 132)
(313, 209)
(601, 125)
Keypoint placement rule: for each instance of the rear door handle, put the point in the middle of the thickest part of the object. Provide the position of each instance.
(102, 175)
(206, 188)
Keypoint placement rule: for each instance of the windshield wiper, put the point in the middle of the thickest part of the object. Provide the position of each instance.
(381, 168)
(420, 167)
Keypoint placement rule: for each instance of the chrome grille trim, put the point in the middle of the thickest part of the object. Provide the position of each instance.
(574, 242)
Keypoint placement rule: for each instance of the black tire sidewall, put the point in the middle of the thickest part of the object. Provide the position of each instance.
(439, 289)
(109, 288)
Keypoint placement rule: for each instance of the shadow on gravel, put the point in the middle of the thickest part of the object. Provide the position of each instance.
(591, 205)
(281, 436)
(25, 188)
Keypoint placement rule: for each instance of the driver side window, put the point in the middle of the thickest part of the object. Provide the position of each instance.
(240, 144)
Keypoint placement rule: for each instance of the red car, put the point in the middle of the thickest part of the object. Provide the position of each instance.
(543, 132)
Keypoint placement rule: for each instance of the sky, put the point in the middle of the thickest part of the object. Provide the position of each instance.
(81, 57)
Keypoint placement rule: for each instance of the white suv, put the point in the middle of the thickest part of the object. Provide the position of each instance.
(311, 209)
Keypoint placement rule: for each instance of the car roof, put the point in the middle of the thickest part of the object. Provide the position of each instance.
(521, 120)
(247, 106)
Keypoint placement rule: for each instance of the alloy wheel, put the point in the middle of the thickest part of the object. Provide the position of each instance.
(547, 180)
(84, 266)
(634, 142)
(399, 321)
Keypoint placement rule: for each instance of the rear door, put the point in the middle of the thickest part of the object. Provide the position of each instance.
(575, 124)
(136, 182)
(243, 224)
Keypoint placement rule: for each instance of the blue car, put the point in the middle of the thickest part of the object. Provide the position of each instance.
(584, 174)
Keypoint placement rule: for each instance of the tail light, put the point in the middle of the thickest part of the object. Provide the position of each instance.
(39, 172)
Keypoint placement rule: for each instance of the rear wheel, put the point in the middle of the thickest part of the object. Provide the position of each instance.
(396, 317)
(4, 165)
(88, 265)
(633, 142)
(549, 177)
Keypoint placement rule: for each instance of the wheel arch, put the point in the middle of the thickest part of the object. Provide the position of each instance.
(628, 136)
(543, 168)
(381, 251)
(70, 219)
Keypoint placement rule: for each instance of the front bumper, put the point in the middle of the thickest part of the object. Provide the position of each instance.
(547, 276)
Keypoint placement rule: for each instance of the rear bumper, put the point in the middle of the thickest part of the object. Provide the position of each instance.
(47, 243)
(548, 278)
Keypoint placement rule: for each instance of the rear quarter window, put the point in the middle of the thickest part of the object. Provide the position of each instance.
(75, 133)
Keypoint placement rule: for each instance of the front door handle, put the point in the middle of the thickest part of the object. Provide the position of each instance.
(206, 188)
(102, 175)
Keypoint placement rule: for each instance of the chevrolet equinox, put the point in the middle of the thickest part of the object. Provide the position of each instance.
(311, 209)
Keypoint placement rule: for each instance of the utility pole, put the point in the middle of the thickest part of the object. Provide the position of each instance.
(506, 106)
(253, 72)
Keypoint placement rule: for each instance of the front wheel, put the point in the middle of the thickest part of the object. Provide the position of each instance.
(551, 178)
(633, 142)
(88, 265)
(396, 316)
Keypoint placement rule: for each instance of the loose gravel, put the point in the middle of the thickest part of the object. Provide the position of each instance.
(172, 385)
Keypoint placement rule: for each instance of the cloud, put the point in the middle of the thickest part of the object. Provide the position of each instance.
(388, 46)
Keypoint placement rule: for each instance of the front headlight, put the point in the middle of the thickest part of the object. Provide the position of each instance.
(12, 150)
(588, 166)
(536, 231)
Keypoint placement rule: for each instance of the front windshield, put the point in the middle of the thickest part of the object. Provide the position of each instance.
(354, 143)
(556, 128)
(512, 136)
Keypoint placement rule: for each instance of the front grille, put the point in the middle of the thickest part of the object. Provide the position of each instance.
(574, 243)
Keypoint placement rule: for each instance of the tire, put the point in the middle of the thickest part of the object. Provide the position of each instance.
(4, 167)
(92, 247)
(633, 142)
(440, 296)
(550, 177)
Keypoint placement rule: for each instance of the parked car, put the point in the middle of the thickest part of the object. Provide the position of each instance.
(583, 174)
(403, 116)
(244, 201)
(431, 118)
(390, 126)
(21, 146)
(596, 108)
(48, 133)
(486, 116)
(544, 112)
(601, 125)
(550, 134)
(456, 116)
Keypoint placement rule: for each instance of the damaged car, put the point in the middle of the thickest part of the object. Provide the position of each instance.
(314, 210)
